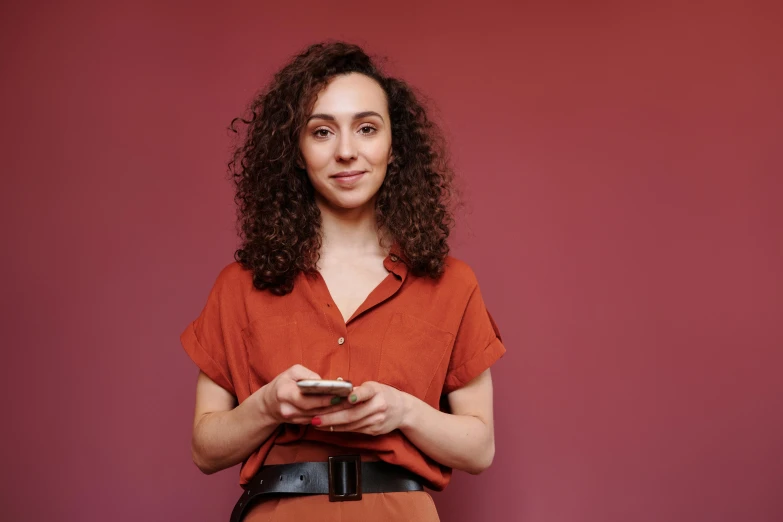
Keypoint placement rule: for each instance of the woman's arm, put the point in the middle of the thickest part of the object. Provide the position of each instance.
(225, 434)
(463, 439)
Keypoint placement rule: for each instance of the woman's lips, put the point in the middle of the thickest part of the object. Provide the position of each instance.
(347, 178)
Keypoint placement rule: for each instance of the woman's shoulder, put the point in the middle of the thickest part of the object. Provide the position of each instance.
(458, 272)
(234, 278)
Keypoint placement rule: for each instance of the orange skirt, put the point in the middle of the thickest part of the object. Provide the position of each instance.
(402, 506)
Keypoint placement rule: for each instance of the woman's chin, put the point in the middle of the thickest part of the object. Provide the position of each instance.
(347, 204)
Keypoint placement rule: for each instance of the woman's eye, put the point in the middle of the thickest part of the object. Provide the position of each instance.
(367, 129)
(321, 133)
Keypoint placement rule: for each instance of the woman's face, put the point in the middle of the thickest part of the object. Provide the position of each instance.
(346, 143)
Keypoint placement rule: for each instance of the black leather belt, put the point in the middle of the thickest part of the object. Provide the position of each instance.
(342, 478)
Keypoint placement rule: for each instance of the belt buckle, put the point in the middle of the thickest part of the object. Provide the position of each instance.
(349, 477)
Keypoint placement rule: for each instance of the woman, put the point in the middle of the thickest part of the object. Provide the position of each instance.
(343, 274)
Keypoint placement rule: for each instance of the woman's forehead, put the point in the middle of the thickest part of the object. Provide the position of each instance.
(350, 94)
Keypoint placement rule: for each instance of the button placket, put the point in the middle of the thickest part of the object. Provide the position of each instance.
(339, 354)
(343, 356)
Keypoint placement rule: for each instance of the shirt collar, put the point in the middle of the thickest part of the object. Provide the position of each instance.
(396, 262)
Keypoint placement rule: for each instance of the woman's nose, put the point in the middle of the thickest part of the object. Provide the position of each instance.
(346, 147)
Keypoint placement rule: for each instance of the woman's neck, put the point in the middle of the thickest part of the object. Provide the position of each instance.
(352, 232)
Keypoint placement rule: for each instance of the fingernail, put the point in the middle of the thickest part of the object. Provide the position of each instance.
(316, 421)
(354, 398)
(336, 400)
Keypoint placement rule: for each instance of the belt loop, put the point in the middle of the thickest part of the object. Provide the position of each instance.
(345, 470)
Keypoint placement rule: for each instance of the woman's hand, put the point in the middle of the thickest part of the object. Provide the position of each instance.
(282, 400)
(375, 409)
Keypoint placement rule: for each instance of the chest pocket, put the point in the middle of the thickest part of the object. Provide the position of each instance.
(414, 356)
(273, 345)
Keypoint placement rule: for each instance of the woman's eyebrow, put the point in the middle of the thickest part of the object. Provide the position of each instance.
(357, 116)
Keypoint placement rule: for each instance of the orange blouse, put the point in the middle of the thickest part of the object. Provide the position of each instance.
(423, 336)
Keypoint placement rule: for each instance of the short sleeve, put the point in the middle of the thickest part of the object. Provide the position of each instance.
(477, 345)
(205, 339)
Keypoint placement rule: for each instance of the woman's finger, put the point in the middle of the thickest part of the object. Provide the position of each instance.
(294, 415)
(298, 372)
(360, 426)
(291, 412)
(300, 420)
(345, 416)
(289, 392)
(343, 405)
(362, 393)
(314, 402)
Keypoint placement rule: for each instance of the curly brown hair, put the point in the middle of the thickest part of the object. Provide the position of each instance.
(278, 220)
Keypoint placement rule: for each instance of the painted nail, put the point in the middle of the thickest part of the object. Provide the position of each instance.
(316, 421)
(336, 400)
(354, 398)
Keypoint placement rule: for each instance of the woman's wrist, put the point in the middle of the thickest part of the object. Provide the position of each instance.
(262, 407)
(410, 410)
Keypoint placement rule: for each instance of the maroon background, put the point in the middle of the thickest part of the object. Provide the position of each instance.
(623, 169)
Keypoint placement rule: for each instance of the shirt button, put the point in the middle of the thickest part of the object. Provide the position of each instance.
(394, 258)
(341, 340)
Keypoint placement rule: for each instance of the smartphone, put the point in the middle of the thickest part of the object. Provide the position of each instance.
(325, 387)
